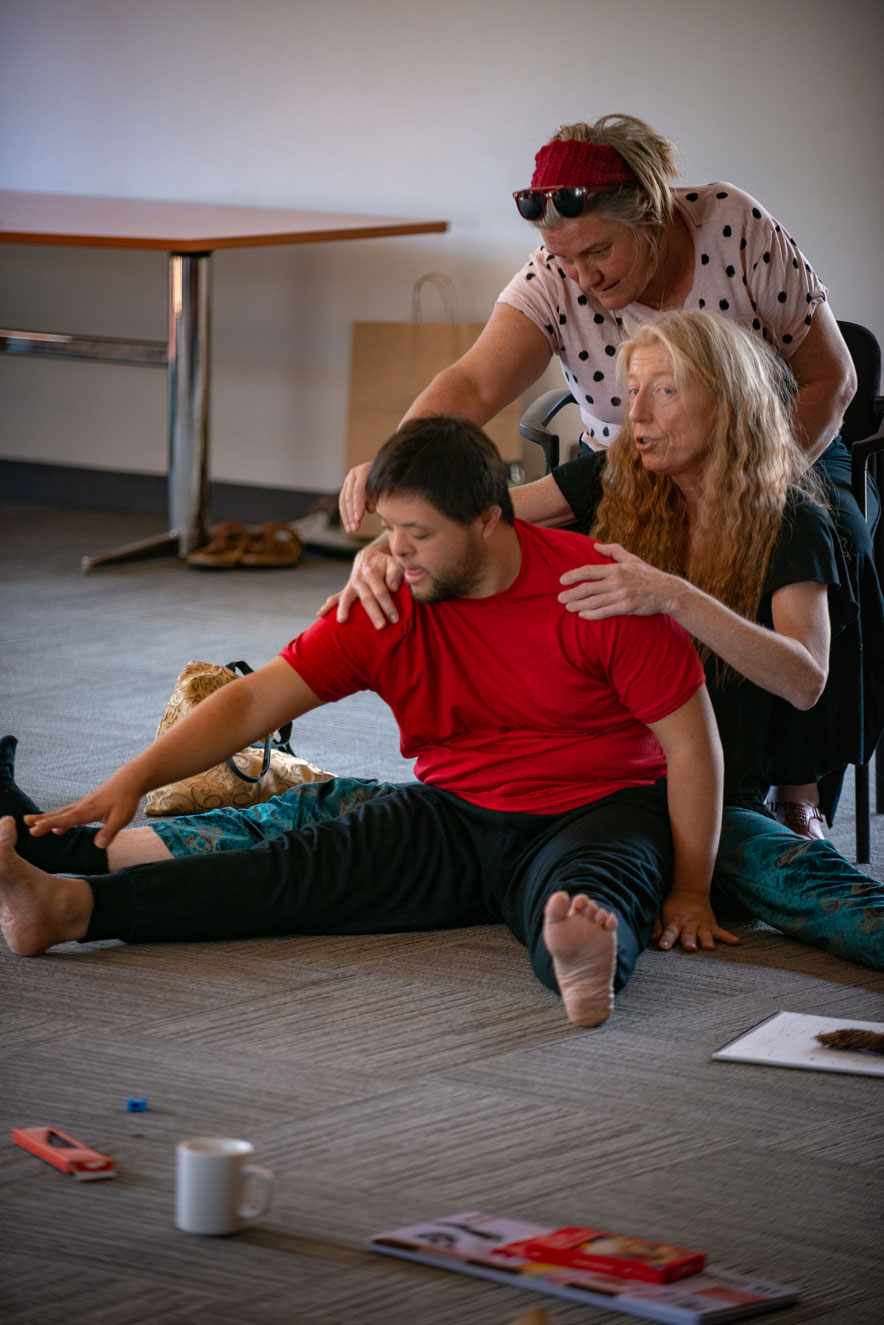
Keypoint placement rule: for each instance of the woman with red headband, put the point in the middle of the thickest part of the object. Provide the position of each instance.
(620, 244)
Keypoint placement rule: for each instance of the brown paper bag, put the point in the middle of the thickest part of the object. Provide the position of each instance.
(392, 363)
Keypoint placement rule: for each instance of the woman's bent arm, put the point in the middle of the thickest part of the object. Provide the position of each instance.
(826, 380)
(508, 356)
(790, 661)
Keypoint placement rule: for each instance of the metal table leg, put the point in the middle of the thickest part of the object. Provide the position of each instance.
(189, 370)
(189, 375)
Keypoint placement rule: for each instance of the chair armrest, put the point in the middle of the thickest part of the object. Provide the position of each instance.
(533, 425)
(861, 453)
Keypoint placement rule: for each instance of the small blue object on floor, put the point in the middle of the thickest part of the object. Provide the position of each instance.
(136, 1106)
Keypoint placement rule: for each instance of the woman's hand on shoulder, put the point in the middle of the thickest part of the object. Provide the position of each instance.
(374, 578)
(624, 586)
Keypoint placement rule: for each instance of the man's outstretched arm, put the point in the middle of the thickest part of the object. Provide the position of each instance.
(237, 715)
(695, 778)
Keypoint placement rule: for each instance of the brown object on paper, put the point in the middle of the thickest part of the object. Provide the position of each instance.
(855, 1039)
(393, 362)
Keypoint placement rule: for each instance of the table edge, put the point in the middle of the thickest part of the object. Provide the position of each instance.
(210, 243)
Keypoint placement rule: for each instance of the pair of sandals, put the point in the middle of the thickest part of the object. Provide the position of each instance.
(232, 545)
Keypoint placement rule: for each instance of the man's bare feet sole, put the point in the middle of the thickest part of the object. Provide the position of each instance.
(37, 910)
(582, 940)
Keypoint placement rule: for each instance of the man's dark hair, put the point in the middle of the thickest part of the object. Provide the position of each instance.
(449, 462)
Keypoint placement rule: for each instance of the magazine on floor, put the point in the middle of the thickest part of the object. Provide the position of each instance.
(479, 1244)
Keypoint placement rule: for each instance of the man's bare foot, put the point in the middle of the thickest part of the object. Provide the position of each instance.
(582, 940)
(38, 910)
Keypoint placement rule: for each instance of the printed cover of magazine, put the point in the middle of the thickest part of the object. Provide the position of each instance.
(477, 1243)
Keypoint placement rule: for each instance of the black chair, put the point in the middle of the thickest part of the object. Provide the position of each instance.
(534, 424)
(864, 438)
(862, 434)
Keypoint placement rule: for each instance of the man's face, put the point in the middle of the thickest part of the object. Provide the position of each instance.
(440, 559)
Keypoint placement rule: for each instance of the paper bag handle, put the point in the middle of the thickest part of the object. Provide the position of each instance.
(446, 291)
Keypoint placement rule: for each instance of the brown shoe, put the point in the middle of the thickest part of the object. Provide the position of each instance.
(802, 818)
(226, 545)
(275, 544)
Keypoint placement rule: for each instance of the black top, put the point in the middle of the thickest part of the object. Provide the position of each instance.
(765, 739)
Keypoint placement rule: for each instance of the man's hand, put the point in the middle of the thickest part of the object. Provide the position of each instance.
(691, 920)
(228, 720)
(351, 502)
(374, 577)
(625, 586)
(113, 804)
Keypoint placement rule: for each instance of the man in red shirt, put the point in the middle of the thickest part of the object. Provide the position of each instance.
(569, 771)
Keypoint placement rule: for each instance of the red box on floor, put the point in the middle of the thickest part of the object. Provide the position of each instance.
(64, 1152)
(610, 1253)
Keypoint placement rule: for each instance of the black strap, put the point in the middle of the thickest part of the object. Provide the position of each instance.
(279, 741)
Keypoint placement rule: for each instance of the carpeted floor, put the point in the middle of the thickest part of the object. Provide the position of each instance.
(383, 1079)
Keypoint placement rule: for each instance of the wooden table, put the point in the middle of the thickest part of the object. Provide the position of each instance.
(189, 233)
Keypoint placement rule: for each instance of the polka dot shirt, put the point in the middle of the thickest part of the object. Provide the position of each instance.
(746, 266)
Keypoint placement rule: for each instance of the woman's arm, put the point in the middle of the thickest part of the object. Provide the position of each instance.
(790, 661)
(543, 503)
(508, 356)
(826, 380)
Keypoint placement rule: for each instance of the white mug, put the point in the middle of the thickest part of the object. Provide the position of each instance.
(212, 1182)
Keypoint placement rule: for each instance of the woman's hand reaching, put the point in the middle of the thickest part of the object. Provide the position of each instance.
(374, 578)
(351, 502)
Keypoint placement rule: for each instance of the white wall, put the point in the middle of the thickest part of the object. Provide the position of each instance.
(395, 107)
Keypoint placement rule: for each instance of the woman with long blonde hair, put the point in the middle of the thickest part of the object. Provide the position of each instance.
(720, 538)
(725, 532)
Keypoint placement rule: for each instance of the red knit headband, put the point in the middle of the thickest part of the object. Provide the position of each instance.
(569, 163)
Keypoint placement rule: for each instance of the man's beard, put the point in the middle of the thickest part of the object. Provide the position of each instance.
(458, 585)
(443, 591)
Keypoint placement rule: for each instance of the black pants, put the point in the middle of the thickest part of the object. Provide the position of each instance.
(415, 859)
(834, 468)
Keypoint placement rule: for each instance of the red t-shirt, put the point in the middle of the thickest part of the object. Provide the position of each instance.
(509, 701)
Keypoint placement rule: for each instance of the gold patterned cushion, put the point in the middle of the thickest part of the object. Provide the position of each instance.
(220, 785)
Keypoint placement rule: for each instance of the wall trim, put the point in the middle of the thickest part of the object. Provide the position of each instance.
(75, 485)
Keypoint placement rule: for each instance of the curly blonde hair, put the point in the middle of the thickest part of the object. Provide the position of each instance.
(751, 461)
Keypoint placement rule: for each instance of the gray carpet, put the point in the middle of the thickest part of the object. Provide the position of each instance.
(383, 1079)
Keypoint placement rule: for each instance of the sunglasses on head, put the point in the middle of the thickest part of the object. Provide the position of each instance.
(568, 202)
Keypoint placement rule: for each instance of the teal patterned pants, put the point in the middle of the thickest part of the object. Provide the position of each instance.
(804, 888)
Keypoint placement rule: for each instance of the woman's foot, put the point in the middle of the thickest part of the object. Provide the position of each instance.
(581, 938)
(38, 910)
(803, 819)
(798, 808)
